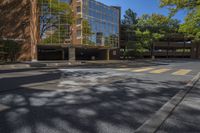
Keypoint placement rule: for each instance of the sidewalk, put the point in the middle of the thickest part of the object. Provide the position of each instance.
(99, 63)
(186, 117)
(39, 64)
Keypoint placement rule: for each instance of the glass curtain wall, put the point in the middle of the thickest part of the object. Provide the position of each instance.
(54, 24)
(104, 23)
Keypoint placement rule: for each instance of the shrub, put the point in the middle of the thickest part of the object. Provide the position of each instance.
(11, 49)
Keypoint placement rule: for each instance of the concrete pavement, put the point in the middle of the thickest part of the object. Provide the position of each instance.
(186, 117)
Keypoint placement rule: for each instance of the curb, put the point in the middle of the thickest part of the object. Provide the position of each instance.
(39, 65)
(153, 124)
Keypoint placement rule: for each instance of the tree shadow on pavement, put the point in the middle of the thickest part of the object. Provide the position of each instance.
(118, 106)
(10, 83)
(186, 117)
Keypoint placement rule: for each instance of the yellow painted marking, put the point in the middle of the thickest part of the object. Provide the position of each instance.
(143, 69)
(160, 71)
(182, 72)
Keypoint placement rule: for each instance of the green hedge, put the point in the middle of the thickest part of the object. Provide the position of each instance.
(9, 50)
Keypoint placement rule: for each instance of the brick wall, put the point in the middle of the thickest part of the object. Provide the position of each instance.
(15, 22)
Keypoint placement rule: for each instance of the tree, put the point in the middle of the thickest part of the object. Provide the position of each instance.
(87, 32)
(55, 21)
(157, 23)
(176, 5)
(151, 28)
(191, 26)
(130, 17)
(127, 31)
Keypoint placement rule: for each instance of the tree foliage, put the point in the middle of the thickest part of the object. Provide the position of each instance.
(151, 28)
(11, 49)
(130, 17)
(157, 23)
(191, 26)
(148, 29)
(87, 32)
(57, 18)
(176, 5)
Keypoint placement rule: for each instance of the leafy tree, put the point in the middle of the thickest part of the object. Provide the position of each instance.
(56, 19)
(147, 29)
(129, 22)
(157, 23)
(176, 5)
(130, 17)
(151, 28)
(87, 32)
(191, 27)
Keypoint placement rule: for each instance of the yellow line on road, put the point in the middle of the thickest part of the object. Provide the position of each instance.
(159, 71)
(182, 72)
(143, 69)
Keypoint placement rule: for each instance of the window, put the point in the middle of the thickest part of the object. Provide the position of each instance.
(53, 27)
(78, 9)
(78, 33)
(78, 21)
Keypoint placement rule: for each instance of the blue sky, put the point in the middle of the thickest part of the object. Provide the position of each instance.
(142, 7)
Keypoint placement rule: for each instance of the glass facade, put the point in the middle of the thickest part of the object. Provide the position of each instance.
(98, 24)
(104, 23)
(54, 27)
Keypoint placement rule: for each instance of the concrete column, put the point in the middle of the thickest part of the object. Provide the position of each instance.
(193, 50)
(168, 46)
(63, 54)
(108, 54)
(152, 51)
(198, 50)
(72, 54)
(184, 48)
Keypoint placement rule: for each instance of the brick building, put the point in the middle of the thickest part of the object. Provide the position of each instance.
(24, 20)
(18, 23)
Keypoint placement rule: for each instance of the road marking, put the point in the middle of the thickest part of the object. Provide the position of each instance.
(182, 72)
(3, 107)
(123, 69)
(160, 71)
(143, 69)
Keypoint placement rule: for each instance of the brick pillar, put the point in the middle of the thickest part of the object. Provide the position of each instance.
(34, 29)
(72, 54)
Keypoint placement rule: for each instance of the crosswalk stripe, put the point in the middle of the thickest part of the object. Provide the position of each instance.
(156, 71)
(143, 69)
(160, 71)
(182, 72)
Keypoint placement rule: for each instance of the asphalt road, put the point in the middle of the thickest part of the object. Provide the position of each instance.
(99, 99)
